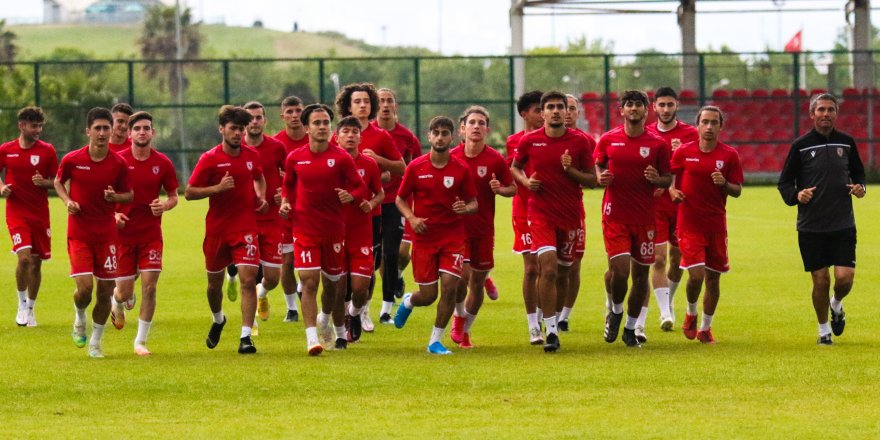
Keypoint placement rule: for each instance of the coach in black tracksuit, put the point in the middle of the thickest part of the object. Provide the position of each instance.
(821, 174)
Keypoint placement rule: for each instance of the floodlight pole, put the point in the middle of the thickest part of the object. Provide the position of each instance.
(517, 9)
(178, 70)
(863, 65)
(687, 23)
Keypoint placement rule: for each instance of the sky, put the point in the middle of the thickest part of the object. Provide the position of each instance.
(481, 27)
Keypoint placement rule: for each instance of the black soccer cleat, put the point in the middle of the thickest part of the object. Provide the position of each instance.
(386, 319)
(341, 344)
(563, 325)
(612, 326)
(246, 346)
(354, 328)
(824, 340)
(629, 338)
(214, 334)
(292, 316)
(552, 343)
(838, 321)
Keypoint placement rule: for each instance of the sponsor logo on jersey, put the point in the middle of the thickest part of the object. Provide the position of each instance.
(83, 167)
(691, 159)
(426, 176)
(481, 171)
(331, 162)
(719, 164)
(539, 144)
(304, 162)
(12, 155)
(617, 144)
(224, 165)
(35, 159)
(839, 152)
(448, 181)
(365, 250)
(644, 151)
(361, 172)
(156, 170)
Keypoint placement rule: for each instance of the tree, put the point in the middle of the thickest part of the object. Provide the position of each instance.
(8, 48)
(159, 43)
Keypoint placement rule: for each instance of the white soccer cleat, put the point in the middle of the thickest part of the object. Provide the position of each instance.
(366, 321)
(21, 317)
(95, 352)
(666, 323)
(325, 331)
(129, 303)
(141, 350)
(535, 336)
(31, 319)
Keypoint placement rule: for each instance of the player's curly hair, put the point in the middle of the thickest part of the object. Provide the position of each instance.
(233, 114)
(31, 114)
(527, 100)
(343, 99)
(633, 96)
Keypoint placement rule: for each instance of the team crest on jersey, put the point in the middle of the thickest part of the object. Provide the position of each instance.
(481, 171)
(448, 181)
(719, 164)
(650, 235)
(249, 238)
(331, 162)
(839, 153)
(250, 165)
(337, 247)
(35, 159)
(156, 169)
(361, 172)
(113, 249)
(644, 151)
(365, 250)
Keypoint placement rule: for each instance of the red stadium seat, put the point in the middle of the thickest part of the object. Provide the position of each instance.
(815, 92)
(687, 96)
(720, 93)
(760, 93)
(589, 96)
(779, 93)
(849, 91)
(740, 93)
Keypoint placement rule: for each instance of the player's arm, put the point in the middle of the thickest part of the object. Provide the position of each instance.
(582, 177)
(61, 190)
(5, 189)
(201, 192)
(395, 167)
(731, 189)
(462, 207)
(112, 196)
(519, 174)
(260, 189)
(418, 224)
(856, 173)
(502, 190)
(787, 184)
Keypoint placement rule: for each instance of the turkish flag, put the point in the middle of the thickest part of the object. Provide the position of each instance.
(794, 45)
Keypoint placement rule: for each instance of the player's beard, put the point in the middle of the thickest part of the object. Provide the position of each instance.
(140, 145)
(554, 124)
(671, 118)
(440, 149)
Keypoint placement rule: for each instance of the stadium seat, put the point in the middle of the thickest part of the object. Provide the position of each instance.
(687, 97)
(720, 94)
(850, 92)
(779, 93)
(815, 92)
(760, 93)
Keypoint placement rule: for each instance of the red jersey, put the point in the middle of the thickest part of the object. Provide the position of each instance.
(359, 224)
(310, 182)
(233, 210)
(380, 142)
(95, 222)
(407, 144)
(560, 199)
(118, 148)
(630, 197)
(433, 192)
(482, 167)
(703, 208)
(683, 132)
(28, 201)
(272, 156)
(520, 206)
(147, 178)
(291, 144)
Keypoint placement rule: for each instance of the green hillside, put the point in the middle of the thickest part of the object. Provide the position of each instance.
(108, 42)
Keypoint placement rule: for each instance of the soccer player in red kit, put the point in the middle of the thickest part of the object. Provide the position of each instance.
(631, 163)
(362, 101)
(318, 182)
(665, 281)
(231, 178)
(140, 226)
(706, 172)
(98, 179)
(529, 108)
(26, 161)
(442, 190)
(293, 136)
(491, 176)
(119, 138)
(358, 233)
(559, 164)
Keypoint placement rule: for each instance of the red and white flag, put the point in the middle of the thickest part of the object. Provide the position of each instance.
(794, 45)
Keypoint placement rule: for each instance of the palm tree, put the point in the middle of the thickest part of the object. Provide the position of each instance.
(158, 42)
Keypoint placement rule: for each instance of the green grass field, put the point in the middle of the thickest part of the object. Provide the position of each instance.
(766, 377)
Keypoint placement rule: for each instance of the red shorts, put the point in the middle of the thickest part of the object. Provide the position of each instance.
(478, 252)
(637, 241)
(408, 232)
(704, 248)
(144, 257)
(286, 236)
(270, 244)
(359, 259)
(318, 253)
(98, 259)
(580, 245)
(31, 235)
(664, 225)
(428, 260)
(522, 238)
(547, 237)
(241, 248)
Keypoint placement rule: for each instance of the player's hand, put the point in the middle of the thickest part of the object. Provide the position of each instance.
(494, 184)
(566, 160)
(676, 142)
(72, 208)
(534, 184)
(605, 178)
(38, 179)
(369, 153)
(366, 206)
(344, 196)
(226, 183)
(277, 197)
(284, 210)
(805, 195)
(262, 205)
(418, 224)
(157, 207)
(385, 177)
(459, 206)
(651, 174)
(856, 190)
(676, 195)
(718, 178)
(658, 192)
(6, 190)
(120, 219)
(110, 194)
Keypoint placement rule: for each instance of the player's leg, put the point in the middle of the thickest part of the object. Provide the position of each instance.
(710, 304)
(639, 290)
(618, 280)
(391, 237)
(696, 276)
(149, 280)
(843, 254)
(445, 307)
(100, 313)
(129, 260)
(660, 283)
(360, 288)
(309, 280)
(289, 285)
(476, 294)
(456, 333)
(247, 275)
(23, 273)
(332, 301)
(427, 262)
(530, 297)
(35, 279)
(271, 259)
(232, 287)
(214, 294)
(121, 293)
(546, 287)
(571, 293)
(821, 300)
(82, 297)
(674, 275)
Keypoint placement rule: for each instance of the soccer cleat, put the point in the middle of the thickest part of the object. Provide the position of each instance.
(95, 352)
(825, 340)
(491, 289)
(666, 323)
(563, 325)
(129, 303)
(31, 319)
(403, 314)
(117, 317)
(400, 288)
(315, 348)
(341, 344)
(640, 334)
(690, 326)
(214, 334)
(354, 328)
(457, 331)
(232, 288)
(79, 335)
(292, 316)
(263, 308)
(386, 319)
(838, 321)
(705, 336)
(465, 341)
(535, 337)
(612, 326)
(366, 321)
(552, 343)
(246, 346)
(629, 338)
(438, 348)
(325, 331)
(21, 316)
(141, 350)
